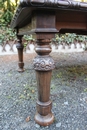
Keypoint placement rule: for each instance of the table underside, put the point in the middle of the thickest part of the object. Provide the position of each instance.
(70, 16)
(65, 21)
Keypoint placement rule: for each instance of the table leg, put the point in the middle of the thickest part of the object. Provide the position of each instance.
(43, 64)
(20, 53)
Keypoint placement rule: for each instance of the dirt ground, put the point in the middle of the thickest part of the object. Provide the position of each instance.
(18, 93)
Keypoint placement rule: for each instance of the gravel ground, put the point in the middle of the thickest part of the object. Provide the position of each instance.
(18, 93)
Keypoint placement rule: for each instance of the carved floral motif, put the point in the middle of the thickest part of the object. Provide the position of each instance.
(43, 63)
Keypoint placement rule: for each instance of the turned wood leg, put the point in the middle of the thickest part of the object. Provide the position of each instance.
(43, 65)
(20, 53)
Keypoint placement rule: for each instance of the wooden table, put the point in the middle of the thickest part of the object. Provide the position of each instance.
(44, 18)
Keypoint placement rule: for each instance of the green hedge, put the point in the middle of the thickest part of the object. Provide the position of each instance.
(7, 34)
(69, 38)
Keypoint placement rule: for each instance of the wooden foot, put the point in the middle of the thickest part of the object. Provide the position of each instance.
(43, 64)
(21, 65)
(20, 54)
(44, 120)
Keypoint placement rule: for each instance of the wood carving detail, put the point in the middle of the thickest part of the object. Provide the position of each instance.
(54, 3)
(46, 4)
(43, 63)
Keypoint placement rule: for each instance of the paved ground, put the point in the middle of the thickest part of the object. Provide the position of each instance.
(18, 93)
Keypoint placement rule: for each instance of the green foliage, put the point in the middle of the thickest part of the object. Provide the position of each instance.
(6, 34)
(80, 38)
(28, 38)
(57, 39)
(7, 8)
(69, 38)
(1, 38)
(6, 18)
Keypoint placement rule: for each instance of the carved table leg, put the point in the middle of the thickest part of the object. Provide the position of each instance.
(20, 53)
(43, 64)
